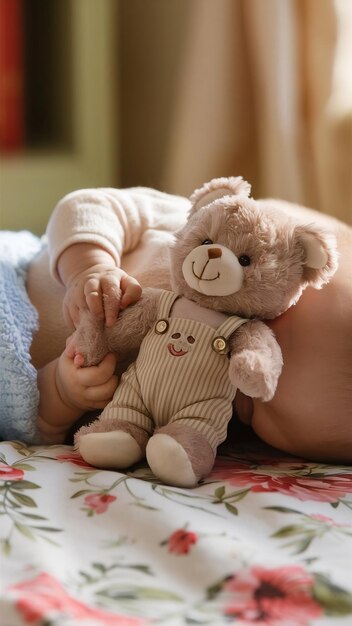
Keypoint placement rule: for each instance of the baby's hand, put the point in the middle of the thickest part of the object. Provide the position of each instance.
(103, 291)
(85, 388)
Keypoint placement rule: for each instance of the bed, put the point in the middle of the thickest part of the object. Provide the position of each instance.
(265, 540)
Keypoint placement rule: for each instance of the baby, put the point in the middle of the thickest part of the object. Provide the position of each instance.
(103, 244)
(88, 234)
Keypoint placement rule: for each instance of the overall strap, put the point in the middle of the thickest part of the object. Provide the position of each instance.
(230, 325)
(166, 301)
(220, 342)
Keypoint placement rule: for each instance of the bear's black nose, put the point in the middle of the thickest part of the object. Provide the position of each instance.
(214, 253)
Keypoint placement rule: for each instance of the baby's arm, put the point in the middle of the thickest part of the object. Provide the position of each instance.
(87, 234)
(94, 282)
(89, 231)
(67, 392)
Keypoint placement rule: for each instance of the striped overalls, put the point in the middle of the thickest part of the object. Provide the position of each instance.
(181, 374)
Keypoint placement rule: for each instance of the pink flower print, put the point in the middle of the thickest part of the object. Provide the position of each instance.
(328, 521)
(10, 473)
(322, 518)
(295, 482)
(181, 541)
(43, 598)
(98, 502)
(271, 597)
(74, 458)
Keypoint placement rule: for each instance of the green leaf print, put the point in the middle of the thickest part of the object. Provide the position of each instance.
(335, 600)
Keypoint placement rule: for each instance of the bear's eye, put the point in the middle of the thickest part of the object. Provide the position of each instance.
(244, 260)
(190, 339)
(176, 336)
(207, 242)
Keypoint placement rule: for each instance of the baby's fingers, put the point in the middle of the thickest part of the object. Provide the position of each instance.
(97, 374)
(110, 285)
(100, 395)
(131, 290)
(94, 297)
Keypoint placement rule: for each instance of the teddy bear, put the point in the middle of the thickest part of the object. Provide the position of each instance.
(235, 263)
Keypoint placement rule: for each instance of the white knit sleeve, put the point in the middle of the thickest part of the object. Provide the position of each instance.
(114, 219)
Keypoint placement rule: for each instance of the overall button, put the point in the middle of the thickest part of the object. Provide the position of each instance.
(161, 327)
(219, 344)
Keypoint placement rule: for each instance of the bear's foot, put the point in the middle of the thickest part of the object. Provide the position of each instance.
(179, 456)
(110, 450)
(169, 461)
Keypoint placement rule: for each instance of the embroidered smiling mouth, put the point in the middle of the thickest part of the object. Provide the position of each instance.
(201, 276)
(171, 348)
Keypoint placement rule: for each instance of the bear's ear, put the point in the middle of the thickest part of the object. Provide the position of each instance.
(217, 188)
(320, 254)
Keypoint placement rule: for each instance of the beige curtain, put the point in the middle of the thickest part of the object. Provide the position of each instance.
(264, 89)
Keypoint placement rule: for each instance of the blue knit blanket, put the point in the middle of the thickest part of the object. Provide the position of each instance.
(19, 396)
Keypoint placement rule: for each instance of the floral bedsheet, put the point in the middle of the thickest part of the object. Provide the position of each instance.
(266, 540)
